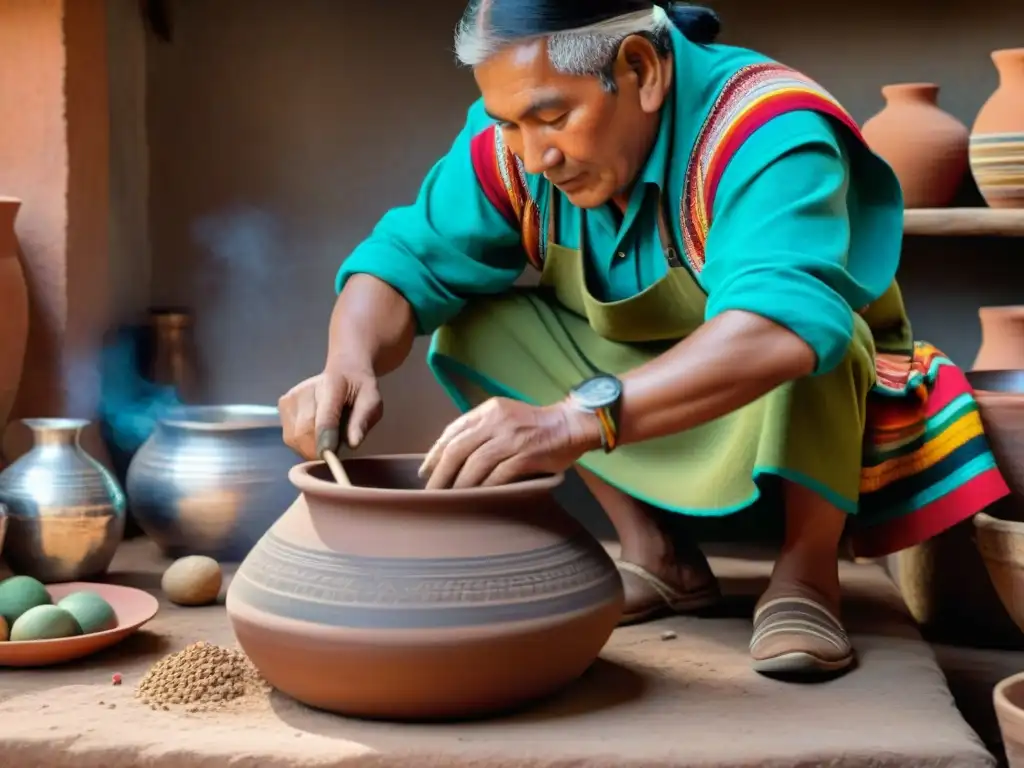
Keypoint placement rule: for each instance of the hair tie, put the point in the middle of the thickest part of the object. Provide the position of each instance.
(698, 24)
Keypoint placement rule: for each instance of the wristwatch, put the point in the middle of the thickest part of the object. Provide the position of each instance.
(601, 395)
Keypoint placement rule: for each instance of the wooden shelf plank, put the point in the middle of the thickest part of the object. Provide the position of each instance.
(964, 222)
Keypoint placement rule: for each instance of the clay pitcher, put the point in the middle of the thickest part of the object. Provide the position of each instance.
(13, 312)
(387, 601)
(1002, 339)
(926, 147)
(997, 139)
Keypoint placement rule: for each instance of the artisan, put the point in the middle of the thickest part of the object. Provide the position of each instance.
(715, 322)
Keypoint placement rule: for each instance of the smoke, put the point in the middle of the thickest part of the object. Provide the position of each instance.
(241, 264)
(241, 245)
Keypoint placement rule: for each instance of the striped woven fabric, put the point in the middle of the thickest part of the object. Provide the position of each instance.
(926, 459)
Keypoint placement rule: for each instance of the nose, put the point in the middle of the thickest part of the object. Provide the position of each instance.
(538, 157)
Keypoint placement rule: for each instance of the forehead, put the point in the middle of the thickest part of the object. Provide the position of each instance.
(521, 75)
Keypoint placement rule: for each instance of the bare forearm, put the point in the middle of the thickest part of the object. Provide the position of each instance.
(726, 364)
(372, 324)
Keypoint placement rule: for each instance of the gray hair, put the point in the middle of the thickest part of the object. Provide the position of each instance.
(589, 50)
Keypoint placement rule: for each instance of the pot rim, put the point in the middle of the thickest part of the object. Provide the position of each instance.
(247, 417)
(300, 477)
(1002, 702)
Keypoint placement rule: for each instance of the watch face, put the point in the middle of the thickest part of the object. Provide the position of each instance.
(598, 392)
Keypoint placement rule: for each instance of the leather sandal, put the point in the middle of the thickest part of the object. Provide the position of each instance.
(654, 598)
(798, 637)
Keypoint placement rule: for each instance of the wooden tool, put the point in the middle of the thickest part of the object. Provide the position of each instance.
(334, 464)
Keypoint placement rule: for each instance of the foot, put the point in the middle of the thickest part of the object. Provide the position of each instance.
(798, 632)
(679, 580)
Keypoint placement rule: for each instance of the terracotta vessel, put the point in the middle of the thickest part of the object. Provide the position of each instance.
(14, 304)
(1000, 398)
(997, 139)
(926, 147)
(1002, 339)
(382, 600)
(1001, 543)
(1009, 704)
(1000, 534)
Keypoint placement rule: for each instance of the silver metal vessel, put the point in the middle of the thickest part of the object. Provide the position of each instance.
(65, 511)
(211, 480)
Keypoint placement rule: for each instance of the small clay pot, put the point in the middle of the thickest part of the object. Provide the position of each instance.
(1008, 698)
(997, 138)
(386, 601)
(1002, 339)
(926, 147)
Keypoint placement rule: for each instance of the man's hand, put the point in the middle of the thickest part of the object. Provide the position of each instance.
(504, 440)
(315, 412)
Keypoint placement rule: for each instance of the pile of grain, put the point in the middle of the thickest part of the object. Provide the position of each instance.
(202, 677)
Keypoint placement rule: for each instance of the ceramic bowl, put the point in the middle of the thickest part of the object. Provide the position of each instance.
(133, 607)
(1009, 703)
(1001, 544)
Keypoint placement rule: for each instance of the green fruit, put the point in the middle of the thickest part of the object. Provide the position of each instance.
(20, 593)
(91, 611)
(44, 622)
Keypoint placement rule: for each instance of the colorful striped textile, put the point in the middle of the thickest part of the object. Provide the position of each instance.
(503, 180)
(927, 464)
(749, 99)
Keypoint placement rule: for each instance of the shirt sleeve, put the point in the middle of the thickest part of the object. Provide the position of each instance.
(450, 244)
(780, 241)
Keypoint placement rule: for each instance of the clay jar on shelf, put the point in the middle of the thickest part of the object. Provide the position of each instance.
(385, 601)
(997, 138)
(1002, 339)
(926, 147)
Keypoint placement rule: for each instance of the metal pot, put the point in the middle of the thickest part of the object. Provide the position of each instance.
(65, 511)
(211, 480)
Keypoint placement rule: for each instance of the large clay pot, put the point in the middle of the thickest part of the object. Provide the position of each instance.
(382, 600)
(13, 311)
(926, 147)
(211, 480)
(1002, 339)
(997, 139)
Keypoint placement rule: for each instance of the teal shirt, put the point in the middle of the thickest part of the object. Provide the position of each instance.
(797, 236)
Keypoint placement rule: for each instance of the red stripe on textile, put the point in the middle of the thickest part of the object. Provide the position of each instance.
(485, 165)
(932, 519)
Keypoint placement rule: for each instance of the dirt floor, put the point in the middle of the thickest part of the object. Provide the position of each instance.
(687, 701)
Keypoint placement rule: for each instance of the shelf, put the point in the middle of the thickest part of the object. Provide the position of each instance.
(964, 222)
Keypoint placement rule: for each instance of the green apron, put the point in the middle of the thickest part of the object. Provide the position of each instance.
(535, 344)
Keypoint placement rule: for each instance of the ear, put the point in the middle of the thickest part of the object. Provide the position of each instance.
(639, 61)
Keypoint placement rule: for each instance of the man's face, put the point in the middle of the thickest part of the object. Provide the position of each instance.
(586, 141)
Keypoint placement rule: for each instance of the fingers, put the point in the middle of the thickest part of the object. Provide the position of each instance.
(320, 412)
(329, 405)
(296, 408)
(454, 429)
(450, 463)
(481, 464)
(365, 412)
(506, 472)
